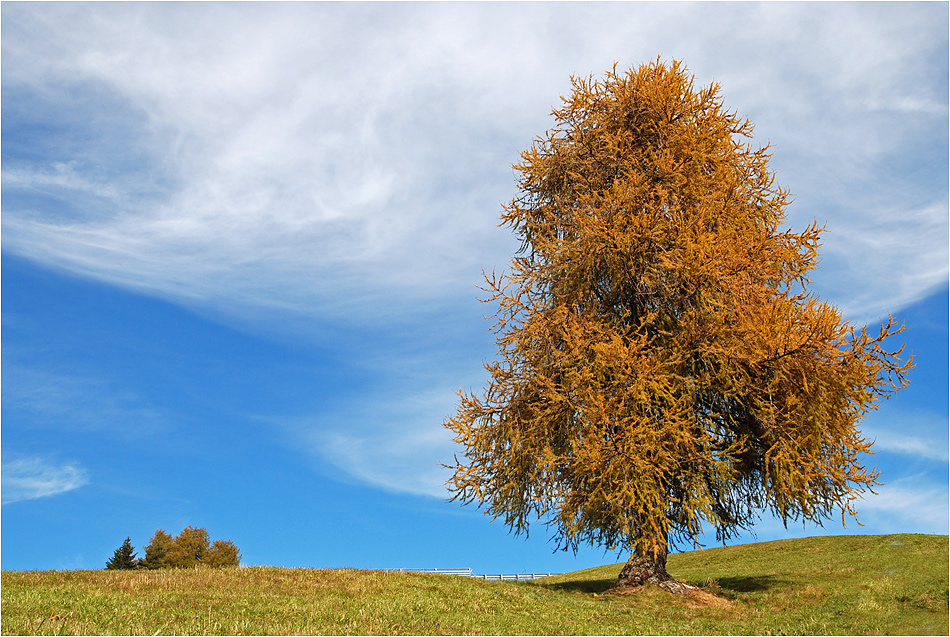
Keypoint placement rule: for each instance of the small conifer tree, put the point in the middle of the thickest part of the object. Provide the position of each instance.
(124, 557)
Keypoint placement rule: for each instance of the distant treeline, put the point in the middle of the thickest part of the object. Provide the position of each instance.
(192, 547)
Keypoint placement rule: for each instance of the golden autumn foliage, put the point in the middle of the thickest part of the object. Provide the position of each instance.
(662, 363)
(191, 547)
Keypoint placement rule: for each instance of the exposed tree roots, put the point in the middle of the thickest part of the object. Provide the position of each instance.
(641, 571)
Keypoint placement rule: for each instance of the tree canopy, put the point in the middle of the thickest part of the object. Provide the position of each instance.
(663, 364)
(157, 550)
(191, 547)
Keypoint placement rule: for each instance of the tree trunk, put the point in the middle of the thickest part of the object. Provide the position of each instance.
(650, 568)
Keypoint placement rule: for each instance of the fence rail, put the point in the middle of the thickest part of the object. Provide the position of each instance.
(467, 572)
(517, 577)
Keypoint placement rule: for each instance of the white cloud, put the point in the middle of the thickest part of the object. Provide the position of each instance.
(28, 478)
(71, 401)
(912, 432)
(870, 265)
(912, 504)
(397, 444)
(912, 435)
(349, 161)
(912, 446)
(353, 154)
(58, 177)
(908, 505)
(393, 459)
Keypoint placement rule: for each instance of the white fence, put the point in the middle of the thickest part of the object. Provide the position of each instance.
(517, 577)
(467, 572)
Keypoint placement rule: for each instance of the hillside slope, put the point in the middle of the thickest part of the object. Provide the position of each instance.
(895, 584)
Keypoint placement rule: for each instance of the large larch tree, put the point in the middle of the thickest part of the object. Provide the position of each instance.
(663, 364)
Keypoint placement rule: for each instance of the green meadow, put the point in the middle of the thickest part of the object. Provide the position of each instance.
(892, 584)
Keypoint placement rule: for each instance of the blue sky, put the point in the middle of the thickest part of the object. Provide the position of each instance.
(240, 244)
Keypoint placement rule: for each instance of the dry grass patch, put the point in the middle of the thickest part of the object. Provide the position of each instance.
(862, 585)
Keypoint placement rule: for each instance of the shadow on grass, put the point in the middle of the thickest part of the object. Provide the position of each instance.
(584, 586)
(753, 584)
(749, 584)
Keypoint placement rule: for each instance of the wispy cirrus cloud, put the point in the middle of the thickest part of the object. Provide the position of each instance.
(396, 442)
(69, 401)
(29, 478)
(918, 434)
(348, 162)
(911, 504)
(362, 154)
(397, 459)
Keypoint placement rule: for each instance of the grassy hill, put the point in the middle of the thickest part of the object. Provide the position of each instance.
(894, 584)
